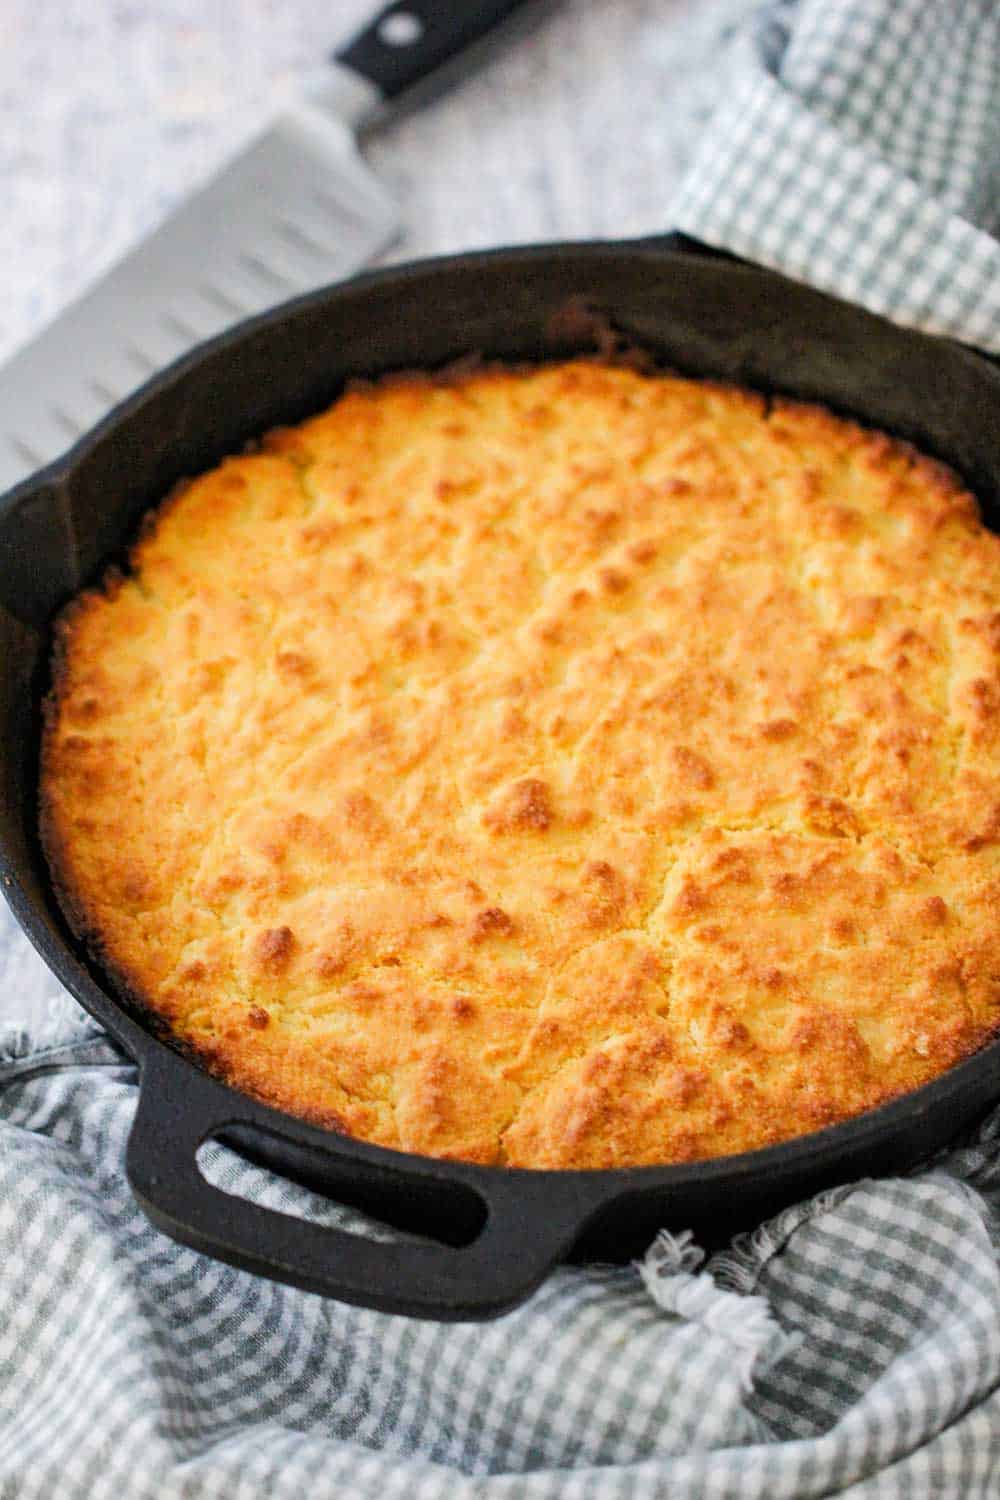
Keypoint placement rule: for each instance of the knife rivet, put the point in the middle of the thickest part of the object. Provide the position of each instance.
(401, 29)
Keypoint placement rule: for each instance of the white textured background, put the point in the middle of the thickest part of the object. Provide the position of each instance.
(110, 110)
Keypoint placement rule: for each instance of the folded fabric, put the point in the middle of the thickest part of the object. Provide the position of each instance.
(857, 147)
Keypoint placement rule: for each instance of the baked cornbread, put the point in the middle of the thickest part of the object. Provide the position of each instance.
(567, 767)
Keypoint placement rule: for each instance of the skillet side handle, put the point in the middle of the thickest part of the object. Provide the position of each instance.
(530, 1225)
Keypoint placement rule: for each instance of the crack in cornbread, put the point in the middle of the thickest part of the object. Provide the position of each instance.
(569, 767)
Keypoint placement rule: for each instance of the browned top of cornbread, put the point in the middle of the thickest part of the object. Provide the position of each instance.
(570, 767)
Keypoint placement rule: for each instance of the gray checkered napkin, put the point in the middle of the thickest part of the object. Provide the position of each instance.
(852, 1346)
(857, 147)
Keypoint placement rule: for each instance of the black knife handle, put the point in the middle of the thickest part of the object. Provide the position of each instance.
(411, 39)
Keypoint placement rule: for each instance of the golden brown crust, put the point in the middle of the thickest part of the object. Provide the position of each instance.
(567, 767)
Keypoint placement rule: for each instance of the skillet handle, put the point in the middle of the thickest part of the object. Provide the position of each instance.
(532, 1219)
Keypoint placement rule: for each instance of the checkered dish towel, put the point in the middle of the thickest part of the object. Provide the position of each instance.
(850, 1346)
(857, 147)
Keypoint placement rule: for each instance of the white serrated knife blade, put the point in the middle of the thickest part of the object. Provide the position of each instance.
(297, 209)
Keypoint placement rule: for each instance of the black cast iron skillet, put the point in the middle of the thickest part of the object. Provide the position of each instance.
(493, 1233)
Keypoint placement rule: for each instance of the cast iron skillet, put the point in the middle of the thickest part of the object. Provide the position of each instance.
(493, 1232)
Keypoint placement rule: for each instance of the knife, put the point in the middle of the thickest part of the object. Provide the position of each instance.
(297, 209)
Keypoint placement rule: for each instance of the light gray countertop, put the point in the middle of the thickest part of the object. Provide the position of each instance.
(110, 112)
